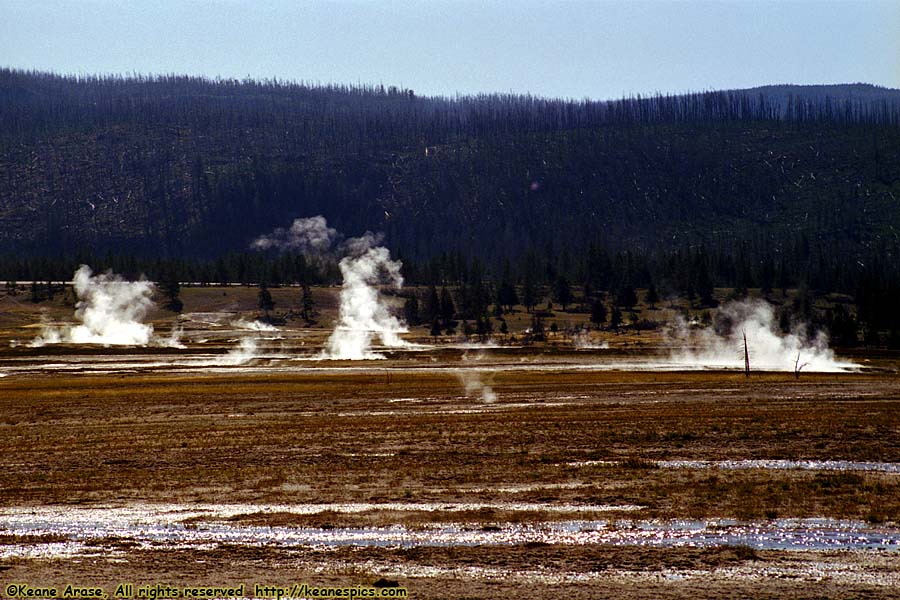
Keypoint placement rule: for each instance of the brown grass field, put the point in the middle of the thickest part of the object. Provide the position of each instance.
(405, 431)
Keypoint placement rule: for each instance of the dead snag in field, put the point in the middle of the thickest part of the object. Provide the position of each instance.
(798, 366)
(746, 356)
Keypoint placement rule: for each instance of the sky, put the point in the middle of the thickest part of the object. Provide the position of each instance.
(595, 49)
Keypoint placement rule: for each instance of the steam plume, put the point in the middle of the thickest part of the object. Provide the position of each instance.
(474, 387)
(582, 341)
(364, 313)
(769, 349)
(243, 353)
(174, 339)
(310, 236)
(110, 309)
(253, 325)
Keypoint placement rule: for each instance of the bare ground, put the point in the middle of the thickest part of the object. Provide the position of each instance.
(554, 437)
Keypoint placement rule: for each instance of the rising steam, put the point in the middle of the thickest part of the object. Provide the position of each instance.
(474, 387)
(309, 236)
(110, 309)
(243, 353)
(253, 325)
(582, 340)
(364, 313)
(722, 346)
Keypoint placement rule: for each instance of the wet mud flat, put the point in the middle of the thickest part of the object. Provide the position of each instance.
(571, 484)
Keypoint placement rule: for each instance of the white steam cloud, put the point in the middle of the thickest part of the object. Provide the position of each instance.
(245, 351)
(174, 339)
(474, 387)
(582, 340)
(769, 348)
(364, 313)
(111, 311)
(253, 325)
(310, 236)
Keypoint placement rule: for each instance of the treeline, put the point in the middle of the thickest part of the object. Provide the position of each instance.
(34, 103)
(175, 166)
(860, 302)
(781, 187)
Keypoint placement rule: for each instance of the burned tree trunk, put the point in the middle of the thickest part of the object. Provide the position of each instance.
(746, 356)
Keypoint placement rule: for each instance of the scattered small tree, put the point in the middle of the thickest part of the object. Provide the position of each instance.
(626, 297)
(652, 296)
(507, 296)
(586, 295)
(616, 319)
(170, 288)
(448, 308)
(411, 311)
(264, 298)
(529, 295)
(432, 305)
(562, 292)
(435, 327)
(598, 313)
(483, 328)
(308, 308)
(537, 328)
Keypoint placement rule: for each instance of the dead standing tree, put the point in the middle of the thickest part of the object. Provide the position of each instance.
(746, 356)
(798, 367)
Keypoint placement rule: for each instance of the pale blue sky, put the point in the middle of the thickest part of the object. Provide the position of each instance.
(596, 49)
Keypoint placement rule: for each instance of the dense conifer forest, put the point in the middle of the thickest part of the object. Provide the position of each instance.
(771, 188)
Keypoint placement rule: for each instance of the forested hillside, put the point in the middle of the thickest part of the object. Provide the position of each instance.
(783, 185)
